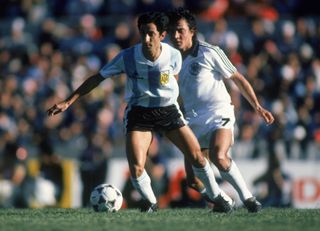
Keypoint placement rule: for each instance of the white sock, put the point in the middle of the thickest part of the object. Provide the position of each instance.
(234, 177)
(203, 191)
(143, 185)
(206, 175)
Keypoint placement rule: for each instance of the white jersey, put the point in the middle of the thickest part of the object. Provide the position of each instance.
(201, 78)
(149, 84)
(206, 101)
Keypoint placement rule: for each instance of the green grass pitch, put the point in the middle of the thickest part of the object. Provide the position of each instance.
(166, 219)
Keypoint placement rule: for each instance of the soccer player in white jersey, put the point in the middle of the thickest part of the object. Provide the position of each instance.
(151, 94)
(207, 104)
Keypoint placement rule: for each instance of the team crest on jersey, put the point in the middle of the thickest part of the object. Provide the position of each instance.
(164, 78)
(194, 68)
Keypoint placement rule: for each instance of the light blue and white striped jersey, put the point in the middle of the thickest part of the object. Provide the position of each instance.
(201, 79)
(149, 84)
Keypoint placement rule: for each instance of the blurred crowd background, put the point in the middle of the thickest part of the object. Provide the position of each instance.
(48, 48)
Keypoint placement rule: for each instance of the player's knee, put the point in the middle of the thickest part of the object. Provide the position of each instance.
(199, 161)
(196, 158)
(222, 163)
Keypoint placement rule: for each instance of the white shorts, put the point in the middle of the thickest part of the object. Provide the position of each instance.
(205, 122)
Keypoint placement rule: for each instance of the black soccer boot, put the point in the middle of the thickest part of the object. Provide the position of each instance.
(148, 207)
(222, 206)
(252, 205)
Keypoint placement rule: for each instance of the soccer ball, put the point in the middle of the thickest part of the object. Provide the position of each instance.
(106, 198)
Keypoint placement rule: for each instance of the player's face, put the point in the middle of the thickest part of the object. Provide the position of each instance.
(150, 36)
(181, 35)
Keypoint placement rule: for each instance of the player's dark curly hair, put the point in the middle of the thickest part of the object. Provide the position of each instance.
(161, 20)
(182, 13)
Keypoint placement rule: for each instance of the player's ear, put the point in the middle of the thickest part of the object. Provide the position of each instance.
(193, 31)
(163, 35)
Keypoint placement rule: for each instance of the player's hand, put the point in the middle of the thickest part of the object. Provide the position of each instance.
(57, 108)
(266, 115)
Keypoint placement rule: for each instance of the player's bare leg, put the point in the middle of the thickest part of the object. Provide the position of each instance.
(137, 145)
(220, 144)
(221, 141)
(186, 141)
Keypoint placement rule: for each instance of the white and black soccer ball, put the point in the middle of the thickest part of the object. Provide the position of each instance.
(106, 198)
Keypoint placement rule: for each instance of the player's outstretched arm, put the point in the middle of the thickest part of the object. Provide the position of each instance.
(89, 84)
(248, 92)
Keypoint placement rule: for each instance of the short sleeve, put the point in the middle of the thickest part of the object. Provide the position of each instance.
(222, 63)
(114, 67)
(177, 62)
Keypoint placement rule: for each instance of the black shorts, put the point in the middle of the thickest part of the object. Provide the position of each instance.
(159, 119)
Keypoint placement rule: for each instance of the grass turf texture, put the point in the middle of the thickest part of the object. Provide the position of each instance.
(165, 219)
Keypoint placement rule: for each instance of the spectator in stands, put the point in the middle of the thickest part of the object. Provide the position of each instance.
(16, 185)
(93, 165)
(50, 166)
(274, 186)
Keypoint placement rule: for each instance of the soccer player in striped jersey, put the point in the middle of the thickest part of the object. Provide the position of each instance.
(207, 103)
(151, 94)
